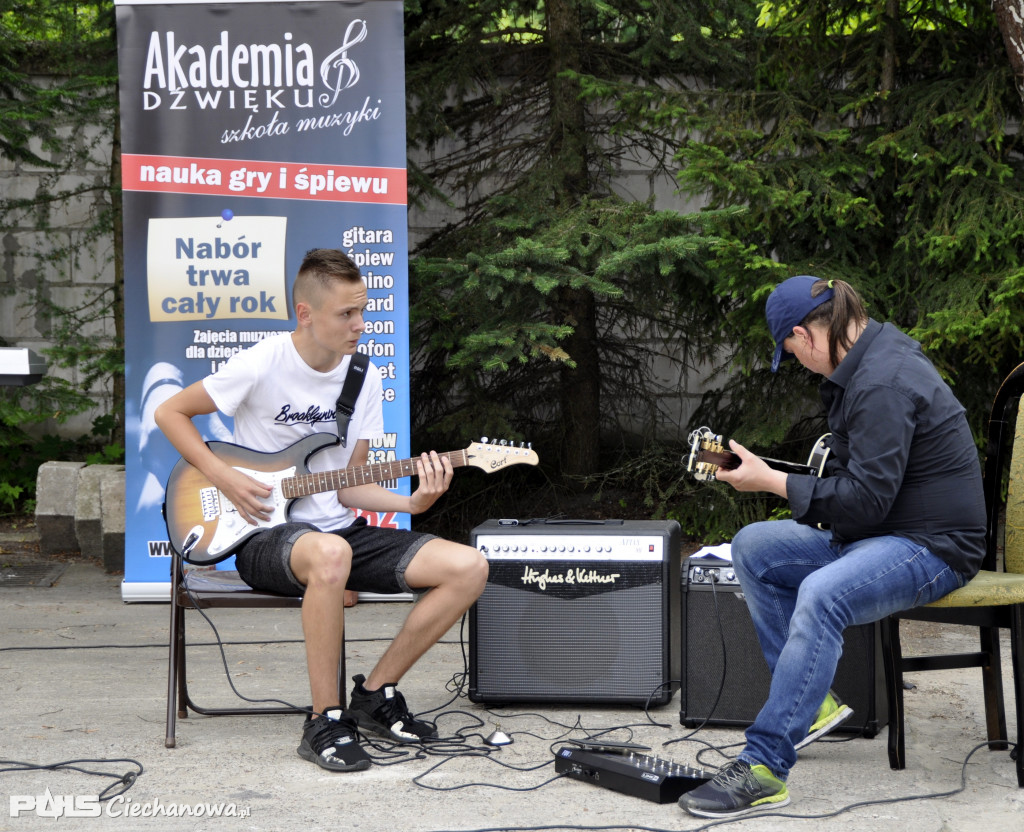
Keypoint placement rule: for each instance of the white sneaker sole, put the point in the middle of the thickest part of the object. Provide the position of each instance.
(838, 718)
(735, 813)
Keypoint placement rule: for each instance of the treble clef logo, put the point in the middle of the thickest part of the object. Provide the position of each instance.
(338, 71)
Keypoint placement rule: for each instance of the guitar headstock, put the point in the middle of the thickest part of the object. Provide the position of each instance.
(707, 454)
(491, 456)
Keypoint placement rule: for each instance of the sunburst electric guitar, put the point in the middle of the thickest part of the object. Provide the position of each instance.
(708, 454)
(204, 527)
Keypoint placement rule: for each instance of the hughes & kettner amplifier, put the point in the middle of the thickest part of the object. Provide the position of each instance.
(576, 611)
(725, 677)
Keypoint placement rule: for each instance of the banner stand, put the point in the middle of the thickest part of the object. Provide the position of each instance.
(251, 132)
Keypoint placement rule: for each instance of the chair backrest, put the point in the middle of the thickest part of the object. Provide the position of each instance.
(1013, 544)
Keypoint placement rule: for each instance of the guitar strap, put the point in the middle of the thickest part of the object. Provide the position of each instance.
(346, 403)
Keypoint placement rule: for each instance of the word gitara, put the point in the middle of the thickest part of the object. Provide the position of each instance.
(574, 575)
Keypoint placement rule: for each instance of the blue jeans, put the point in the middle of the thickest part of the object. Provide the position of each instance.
(803, 591)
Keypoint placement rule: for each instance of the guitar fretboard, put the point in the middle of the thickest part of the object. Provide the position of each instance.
(319, 481)
(729, 461)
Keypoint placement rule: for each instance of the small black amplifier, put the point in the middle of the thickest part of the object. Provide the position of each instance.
(725, 678)
(638, 775)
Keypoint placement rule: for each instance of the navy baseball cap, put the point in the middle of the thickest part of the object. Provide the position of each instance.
(788, 304)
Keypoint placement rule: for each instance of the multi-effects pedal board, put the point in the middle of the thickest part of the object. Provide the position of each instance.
(624, 768)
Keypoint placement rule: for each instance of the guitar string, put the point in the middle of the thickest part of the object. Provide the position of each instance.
(302, 485)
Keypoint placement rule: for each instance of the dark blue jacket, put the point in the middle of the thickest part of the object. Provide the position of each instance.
(903, 459)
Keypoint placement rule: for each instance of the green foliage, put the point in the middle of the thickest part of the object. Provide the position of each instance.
(824, 138)
(556, 302)
(21, 452)
(57, 103)
(490, 330)
(545, 306)
(57, 39)
(9, 495)
(106, 455)
(881, 151)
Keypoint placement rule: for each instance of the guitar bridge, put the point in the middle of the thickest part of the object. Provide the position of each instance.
(209, 501)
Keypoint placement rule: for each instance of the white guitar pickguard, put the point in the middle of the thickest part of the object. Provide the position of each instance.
(231, 527)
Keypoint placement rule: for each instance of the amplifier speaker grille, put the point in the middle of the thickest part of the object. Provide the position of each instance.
(568, 649)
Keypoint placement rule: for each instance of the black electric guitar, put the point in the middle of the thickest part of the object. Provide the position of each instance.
(708, 453)
(204, 527)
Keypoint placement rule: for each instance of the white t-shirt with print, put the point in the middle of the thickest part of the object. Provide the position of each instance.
(276, 399)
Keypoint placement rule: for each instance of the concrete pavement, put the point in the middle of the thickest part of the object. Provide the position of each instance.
(83, 676)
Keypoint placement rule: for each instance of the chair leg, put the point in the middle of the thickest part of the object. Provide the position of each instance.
(178, 700)
(342, 681)
(992, 686)
(183, 700)
(892, 657)
(177, 619)
(1017, 660)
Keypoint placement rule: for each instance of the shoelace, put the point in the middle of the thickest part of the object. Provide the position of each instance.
(395, 709)
(736, 773)
(332, 730)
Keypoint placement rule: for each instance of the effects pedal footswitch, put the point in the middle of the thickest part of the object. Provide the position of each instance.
(638, 775)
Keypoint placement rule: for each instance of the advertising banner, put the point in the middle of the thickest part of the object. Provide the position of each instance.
(251, 132)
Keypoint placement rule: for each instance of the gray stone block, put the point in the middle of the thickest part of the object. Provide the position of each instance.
(56, 491)
(89, 510)
(112, 491)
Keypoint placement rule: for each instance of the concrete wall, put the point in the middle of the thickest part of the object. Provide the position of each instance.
(73, 279)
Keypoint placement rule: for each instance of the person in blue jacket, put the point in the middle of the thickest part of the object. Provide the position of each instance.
(904, 517)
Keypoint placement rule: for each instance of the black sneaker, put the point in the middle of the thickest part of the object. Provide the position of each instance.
(384, 712)
(330, 740)
(737, 789)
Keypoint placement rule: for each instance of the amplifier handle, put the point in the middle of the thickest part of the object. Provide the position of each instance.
(576, 522)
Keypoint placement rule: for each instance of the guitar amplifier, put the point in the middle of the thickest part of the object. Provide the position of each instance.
(576, 611)
(725, 678)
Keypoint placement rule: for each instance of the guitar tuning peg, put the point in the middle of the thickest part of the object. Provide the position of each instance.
(483, 439)
(503, 442)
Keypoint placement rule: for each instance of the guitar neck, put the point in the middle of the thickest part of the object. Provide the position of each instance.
(319, 481)
(729, 461)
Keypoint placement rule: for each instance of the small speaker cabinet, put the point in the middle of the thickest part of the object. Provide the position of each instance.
(731, 688)
(576, 611)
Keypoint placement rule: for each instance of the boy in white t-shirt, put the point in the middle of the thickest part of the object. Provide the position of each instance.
(281, 389)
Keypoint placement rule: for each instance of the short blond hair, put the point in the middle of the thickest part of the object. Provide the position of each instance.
(322, 268)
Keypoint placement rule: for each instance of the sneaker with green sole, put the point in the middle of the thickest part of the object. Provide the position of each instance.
(831, 715)
(737, 789)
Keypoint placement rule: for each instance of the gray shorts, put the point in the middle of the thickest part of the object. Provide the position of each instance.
(379, 558)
